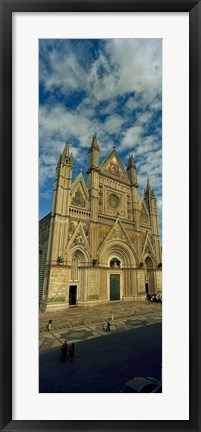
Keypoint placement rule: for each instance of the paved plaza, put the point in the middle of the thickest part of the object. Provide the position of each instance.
(82, 323)
(103, 360)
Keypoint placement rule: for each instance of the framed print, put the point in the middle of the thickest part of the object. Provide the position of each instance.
(100, 143)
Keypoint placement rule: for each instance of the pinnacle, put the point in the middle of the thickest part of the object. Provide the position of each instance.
(148, 186)
(131, 162)
(94, 144)
(149, 190)
(66, 150)
(65, 156)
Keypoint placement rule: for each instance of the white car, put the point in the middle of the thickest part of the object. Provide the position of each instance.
(142, 385)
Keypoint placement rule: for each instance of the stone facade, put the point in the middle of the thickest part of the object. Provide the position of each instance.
(101, 242)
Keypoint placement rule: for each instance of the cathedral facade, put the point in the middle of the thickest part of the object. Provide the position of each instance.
(101, 242)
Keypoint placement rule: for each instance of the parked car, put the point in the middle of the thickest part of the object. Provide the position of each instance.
(142, 385)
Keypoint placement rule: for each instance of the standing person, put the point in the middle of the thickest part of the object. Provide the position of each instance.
(50, 325)
(72, 352)
(64, 350)
(108, 326)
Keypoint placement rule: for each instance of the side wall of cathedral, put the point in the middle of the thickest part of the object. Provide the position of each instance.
(102, 242)
(43, 246)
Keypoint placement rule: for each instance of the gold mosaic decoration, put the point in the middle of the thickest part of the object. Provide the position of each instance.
(118, 234)
(103, 233)
(131, 236)
(78, 239)
(78, 198)
(113, 168)
(72, 227)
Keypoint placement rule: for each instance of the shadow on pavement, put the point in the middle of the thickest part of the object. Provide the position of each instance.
(104, 364)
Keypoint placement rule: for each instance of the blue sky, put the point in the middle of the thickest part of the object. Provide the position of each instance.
(109, 86)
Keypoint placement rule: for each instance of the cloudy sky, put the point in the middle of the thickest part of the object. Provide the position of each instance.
(112, 87)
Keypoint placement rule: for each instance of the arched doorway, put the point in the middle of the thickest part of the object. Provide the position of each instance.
(77, 285)
(114, 291)
(150, 282)
(114, 287)
(119, 263)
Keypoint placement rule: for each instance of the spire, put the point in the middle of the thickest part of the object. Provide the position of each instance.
(149, 193)
(149, 190)
(93, 155)
(131, 170)
(148, 186)
(66, 156)
(66, 150)
(131, 163)
(94, 144)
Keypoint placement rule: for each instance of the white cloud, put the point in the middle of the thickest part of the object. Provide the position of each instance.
(144, 117)
(132, 103)
(63, 71)
(138, 62)
(46, 172)
(58, 120)
(123, 65)
(113, 123)
(121, 88)
(132, 137)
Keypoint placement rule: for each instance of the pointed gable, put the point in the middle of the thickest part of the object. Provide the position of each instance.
(79, 192)
(117, 232)
(148, 247)
(144, 214)
(79, 237)
(113, 167)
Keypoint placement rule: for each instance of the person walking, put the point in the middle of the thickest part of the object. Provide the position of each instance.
(64, 350)
(50, 325)
(72, 352)
(108, 326)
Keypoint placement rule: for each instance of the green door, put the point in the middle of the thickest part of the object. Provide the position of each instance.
(114, 287)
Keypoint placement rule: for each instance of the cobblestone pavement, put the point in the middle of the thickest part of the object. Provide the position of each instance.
(84, 323)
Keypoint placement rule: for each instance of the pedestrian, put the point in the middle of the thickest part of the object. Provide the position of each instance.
(108, 326)
(72, 352)
(50, 325)
(64, 350)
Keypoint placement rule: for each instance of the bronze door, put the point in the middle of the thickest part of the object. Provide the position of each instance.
(114, 287)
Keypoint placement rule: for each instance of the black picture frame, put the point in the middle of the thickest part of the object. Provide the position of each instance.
(6, 10)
